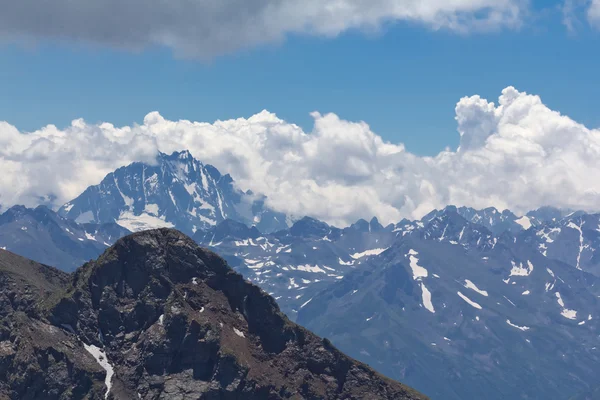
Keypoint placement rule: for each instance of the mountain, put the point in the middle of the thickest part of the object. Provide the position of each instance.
(549, 214)
(459, 314)
(42, 235)
(178, 191)
(371, 288)
(497, 222)
(158, 317)
(574, 239)
(294, 264)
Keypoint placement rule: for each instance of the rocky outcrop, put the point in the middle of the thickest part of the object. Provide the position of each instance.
(157, 317)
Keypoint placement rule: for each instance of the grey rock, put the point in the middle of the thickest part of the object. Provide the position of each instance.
(173, 322)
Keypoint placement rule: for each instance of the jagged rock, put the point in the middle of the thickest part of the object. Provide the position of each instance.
(157, 317)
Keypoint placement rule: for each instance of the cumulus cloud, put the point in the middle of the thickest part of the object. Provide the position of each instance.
(205, 28)
(516, 154)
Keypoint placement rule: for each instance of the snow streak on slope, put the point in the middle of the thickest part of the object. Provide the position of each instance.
(469, 301)
(100, 357)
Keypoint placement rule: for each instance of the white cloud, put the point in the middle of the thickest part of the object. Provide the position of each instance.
(575, 12)
(593, 13)
(518, 154)
(205, 28)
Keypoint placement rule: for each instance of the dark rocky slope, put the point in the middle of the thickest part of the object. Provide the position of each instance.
(157, 317)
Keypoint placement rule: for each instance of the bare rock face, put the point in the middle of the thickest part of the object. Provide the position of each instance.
(157, 317)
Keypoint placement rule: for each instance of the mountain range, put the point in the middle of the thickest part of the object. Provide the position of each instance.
(43, 235)
(460, 304)
(157, 317)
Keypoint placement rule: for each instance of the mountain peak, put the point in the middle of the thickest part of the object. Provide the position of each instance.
(151, 254)
(177, 192)
(308, 226)
(183, 155)
(547, 214)
(194, 328)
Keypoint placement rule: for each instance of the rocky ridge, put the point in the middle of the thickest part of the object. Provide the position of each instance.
(157, 317)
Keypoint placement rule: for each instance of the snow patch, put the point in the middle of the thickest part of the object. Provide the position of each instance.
(293, 284)
(310, 268)
(426, 294)
(372, 252)
(101, 359)
(418, 271)
(238, 332)
(152, 209)
(522, 328)
(245, 242)
(472, 286)
(520, 270)
(469, 301)
(524, 221)
(581, 247)
(282, 248)
(559, 299)
(142, 222)
(569, 314)
(90, 237)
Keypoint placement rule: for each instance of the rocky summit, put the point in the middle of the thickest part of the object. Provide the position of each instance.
(157, 317)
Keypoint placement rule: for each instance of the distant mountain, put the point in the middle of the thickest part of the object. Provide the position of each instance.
(178, 191)
(497, 222)
(465, 318)
(157, 317)
(463, 303)
(573, 239)
(296, 263)
(42, 235)
(549, 214)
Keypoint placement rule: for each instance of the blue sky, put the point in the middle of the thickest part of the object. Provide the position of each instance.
(404, 82)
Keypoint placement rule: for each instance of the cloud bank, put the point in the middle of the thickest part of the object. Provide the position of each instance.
(518, 154)
(207, 28)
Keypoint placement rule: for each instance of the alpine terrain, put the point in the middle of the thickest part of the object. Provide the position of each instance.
(44, 236)
(157, 317)
(178, 191)
(460, 304)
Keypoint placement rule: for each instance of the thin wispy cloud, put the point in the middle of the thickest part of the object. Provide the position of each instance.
(578, 13)
(516, 154)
